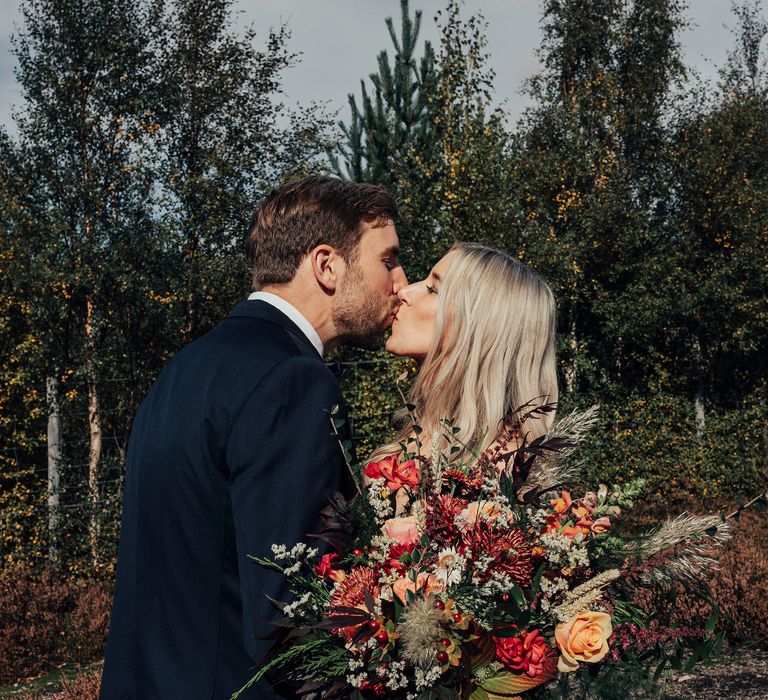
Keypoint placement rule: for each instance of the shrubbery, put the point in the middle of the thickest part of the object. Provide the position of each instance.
(654, 437)
(83, 687)
(47, 618)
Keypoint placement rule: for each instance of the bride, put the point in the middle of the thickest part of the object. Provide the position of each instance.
(482, 328)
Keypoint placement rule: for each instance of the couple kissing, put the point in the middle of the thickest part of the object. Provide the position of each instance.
(231, 450)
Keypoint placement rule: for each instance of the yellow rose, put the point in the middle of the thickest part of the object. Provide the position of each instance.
(583, 638)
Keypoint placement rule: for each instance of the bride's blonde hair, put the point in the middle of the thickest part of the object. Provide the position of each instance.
(493, 351)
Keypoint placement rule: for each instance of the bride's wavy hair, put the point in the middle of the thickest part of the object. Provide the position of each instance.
(493, 351)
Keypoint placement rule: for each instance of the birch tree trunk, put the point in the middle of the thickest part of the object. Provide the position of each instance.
(54, 461)
(573, 344)
(700, 416)
(94, 433)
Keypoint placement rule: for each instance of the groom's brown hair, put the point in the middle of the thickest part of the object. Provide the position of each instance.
(300, 215)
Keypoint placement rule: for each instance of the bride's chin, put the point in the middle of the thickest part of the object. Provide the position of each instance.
(391, 347)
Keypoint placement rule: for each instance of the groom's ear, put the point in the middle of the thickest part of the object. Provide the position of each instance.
(327, 266)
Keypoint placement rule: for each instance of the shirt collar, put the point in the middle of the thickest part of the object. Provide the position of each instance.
(293, 313)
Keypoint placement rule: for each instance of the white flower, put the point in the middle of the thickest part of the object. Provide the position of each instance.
(378, 497)
(450, 566)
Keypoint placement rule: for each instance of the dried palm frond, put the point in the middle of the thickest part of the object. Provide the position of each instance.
(681, 549)
(551, 469)
(584, 596)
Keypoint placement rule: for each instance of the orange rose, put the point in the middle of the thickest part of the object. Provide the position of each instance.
(583, 638)
(402, 530)
(424, 581)
(397, 475)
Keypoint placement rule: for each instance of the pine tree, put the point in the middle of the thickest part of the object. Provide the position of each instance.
(431, 135)
(394, 118)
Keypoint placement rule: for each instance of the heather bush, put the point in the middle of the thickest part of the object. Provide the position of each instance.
(83, 687)
(739, 587)
(46, 619)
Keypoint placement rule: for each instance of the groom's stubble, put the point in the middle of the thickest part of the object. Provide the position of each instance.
(360, 314)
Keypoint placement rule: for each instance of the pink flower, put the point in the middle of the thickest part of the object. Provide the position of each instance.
(601, 525)
(475, 510)
(396, 474)
(402, 530)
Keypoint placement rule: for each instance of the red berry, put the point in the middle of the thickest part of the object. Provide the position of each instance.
(373, 625)
(442, 656)
(457, 618)
(446, 642)
(357, 552)
(440, 605)
(505, 597)
(382, 637)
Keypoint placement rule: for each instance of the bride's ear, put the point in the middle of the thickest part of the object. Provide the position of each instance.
(327, 266)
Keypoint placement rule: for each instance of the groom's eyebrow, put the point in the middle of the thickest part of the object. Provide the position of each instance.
(393, 251)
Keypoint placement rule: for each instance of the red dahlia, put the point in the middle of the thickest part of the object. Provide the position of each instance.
(511, 551)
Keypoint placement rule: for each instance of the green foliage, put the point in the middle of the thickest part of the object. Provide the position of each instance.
(432, 137)
(146, 136)
(221, 147)
(393, 120)
(655, 437)
(317, 651)
(147, 133)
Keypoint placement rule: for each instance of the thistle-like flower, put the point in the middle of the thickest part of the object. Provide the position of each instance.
(420, 631)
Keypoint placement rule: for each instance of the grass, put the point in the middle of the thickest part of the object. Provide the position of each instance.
(50, 683)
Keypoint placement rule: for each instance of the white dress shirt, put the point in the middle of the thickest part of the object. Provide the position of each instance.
(293, 313)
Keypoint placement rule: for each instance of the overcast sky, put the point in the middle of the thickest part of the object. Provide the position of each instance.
(340, 39)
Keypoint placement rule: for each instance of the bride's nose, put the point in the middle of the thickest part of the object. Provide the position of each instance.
(409, 293)
(405, 294)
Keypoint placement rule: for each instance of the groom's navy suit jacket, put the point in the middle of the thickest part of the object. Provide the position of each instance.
(231, 451)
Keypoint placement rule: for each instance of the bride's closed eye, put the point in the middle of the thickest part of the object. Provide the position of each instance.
(431, 290)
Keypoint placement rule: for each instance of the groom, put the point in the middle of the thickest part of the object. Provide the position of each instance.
(231, 451)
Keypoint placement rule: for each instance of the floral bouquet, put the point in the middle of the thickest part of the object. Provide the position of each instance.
(484, 578)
